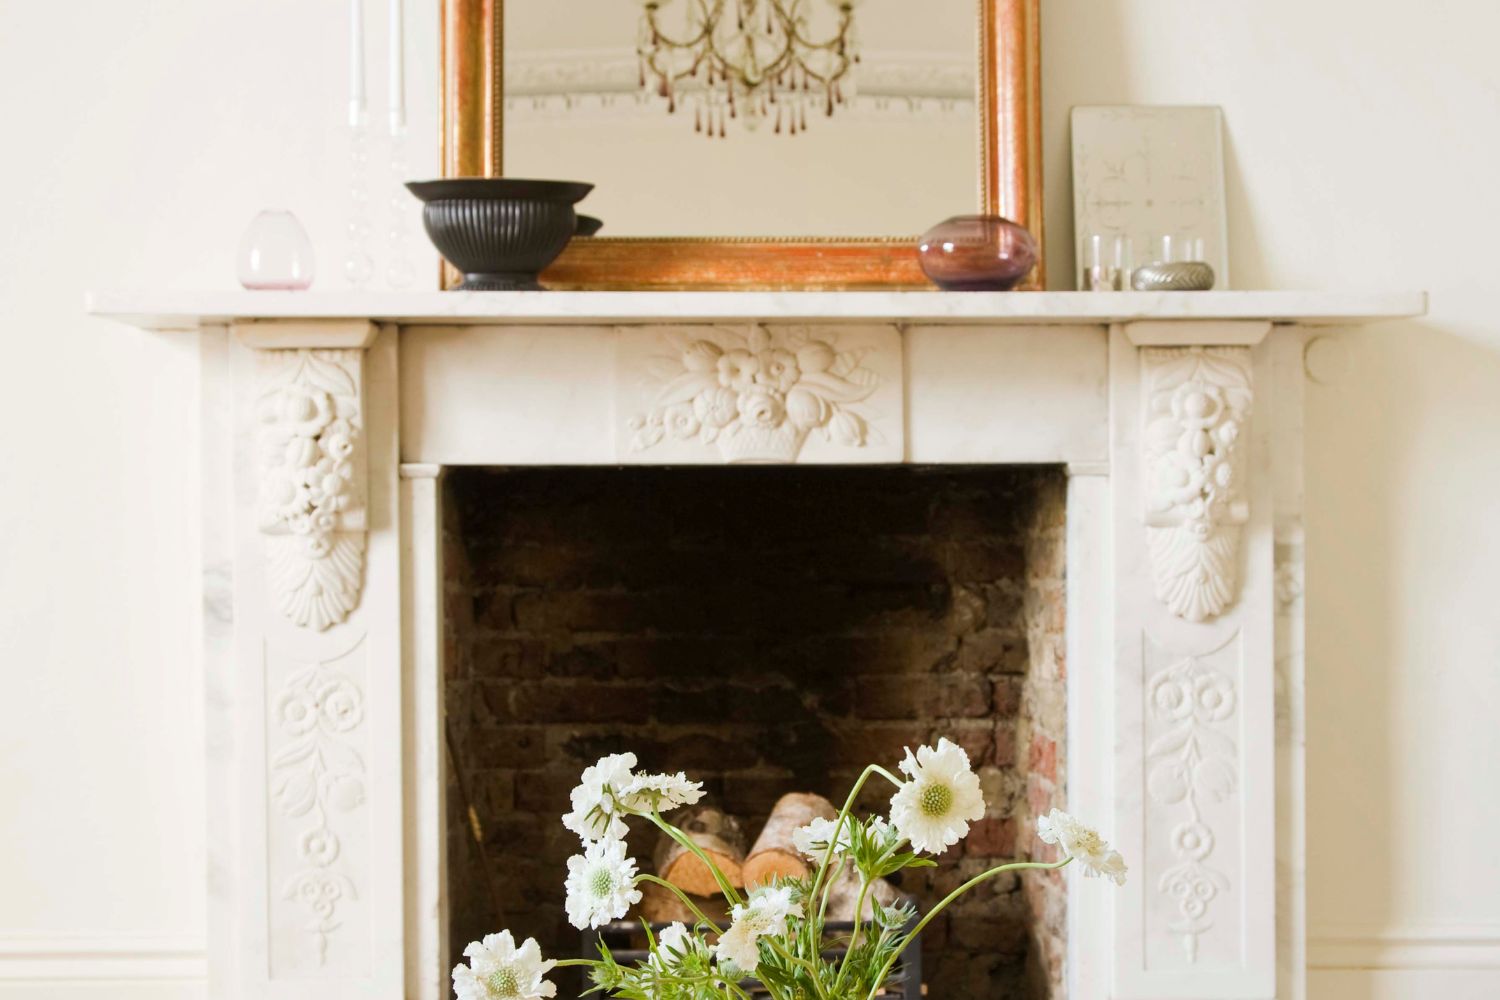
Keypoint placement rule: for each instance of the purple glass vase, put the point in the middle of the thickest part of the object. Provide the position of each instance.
(977, 253)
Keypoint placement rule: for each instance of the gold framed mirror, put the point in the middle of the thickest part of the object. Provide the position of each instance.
(934, 111)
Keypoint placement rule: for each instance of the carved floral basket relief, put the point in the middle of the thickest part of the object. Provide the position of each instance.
(761, 394)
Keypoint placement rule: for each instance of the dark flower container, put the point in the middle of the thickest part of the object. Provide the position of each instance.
(501, 232)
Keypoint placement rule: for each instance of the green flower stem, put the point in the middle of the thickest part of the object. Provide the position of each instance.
(674, 981)
(680, 895)
(885, 970)
(811, 933)
(686, 841)
(843, 817)
(566, 963)
(838, 870)
(807, 966)
(859, 911)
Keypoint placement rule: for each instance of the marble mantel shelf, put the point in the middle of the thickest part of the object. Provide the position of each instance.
(188, 310)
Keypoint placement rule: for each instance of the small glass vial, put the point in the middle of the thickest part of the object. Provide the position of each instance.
(1180, 248)
(1106, 262)
(275, 254)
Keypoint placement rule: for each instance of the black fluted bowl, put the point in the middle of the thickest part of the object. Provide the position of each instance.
(501, 232)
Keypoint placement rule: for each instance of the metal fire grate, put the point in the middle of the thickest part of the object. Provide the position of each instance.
(626, 942)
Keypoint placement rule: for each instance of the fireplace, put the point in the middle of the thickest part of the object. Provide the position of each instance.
(460, 567)
(766, 630)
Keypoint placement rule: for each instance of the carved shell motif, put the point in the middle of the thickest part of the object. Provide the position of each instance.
(311, 506)
(1197, 404)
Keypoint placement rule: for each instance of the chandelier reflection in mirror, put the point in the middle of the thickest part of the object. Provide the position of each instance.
(752, 61)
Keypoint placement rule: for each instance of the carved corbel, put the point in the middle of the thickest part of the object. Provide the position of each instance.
(1196, 404)
(311, 506)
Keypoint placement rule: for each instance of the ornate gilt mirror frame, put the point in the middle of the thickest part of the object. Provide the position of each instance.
(1010, 176)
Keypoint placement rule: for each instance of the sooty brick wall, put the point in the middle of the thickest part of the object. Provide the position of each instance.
(765, 630)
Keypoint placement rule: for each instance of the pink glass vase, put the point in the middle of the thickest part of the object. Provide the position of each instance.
(275, 254)
(977, 253)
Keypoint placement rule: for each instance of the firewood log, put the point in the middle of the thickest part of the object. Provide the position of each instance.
(843, 895)
(717, 835)
(773, 853)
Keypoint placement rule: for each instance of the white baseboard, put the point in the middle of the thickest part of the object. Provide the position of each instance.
(58, 958)
(1436, 947)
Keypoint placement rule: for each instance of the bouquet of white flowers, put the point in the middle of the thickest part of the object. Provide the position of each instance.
(776, 935)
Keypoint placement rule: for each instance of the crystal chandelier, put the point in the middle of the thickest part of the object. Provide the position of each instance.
(752, 60)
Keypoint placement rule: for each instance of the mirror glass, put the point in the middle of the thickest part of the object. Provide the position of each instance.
(730, 134)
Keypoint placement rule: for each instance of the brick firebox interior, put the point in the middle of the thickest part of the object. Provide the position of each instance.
(766, 630)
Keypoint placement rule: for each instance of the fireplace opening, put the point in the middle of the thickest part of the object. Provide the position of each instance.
(767, 630)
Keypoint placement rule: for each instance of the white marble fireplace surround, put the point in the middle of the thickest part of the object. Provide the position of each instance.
(327, 421)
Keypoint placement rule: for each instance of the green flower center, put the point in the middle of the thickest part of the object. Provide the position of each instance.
(602, 882)
(936, 800)
(502, 983)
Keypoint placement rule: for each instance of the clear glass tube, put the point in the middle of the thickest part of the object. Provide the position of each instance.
(1179, 248)
(400, 271)
(1106, 262)
(1122, 252)
(358, 263)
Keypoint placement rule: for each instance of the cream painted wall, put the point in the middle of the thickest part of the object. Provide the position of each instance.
(140, 138)
(144, 133)
(1362, 142)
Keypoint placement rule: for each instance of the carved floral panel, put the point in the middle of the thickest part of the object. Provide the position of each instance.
(317, 738)
(311, 507)
(1193, 811)
(1196, 404)
(758, 394)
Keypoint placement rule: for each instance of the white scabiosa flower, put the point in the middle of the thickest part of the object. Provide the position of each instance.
(672, 944)
(498, 970)
(737, 947)
(1083, 845)
(600, 884)
(814, 838)
(765, 914)
(934, 809)
(598, 813)
(662, 792)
